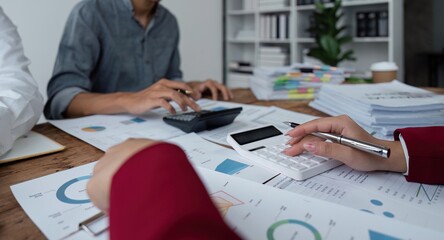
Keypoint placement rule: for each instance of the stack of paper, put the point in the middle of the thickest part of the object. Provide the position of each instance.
(382, 108)
(299, 81)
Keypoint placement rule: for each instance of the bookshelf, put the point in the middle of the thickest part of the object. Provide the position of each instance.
(246, 21)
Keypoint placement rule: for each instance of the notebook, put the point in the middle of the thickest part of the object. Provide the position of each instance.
(31, 145)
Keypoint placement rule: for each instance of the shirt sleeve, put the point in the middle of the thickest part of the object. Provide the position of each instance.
(21, 103)
(78, 54)
(425, 150)
(157, 195)
(174, 72)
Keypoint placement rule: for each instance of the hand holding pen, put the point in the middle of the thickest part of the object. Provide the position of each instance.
(349, 144)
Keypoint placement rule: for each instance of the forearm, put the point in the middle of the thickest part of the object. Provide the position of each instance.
(396, 161)
(110, 103)
(159, 183)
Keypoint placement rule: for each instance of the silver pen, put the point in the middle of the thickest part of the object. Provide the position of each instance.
(350, 142)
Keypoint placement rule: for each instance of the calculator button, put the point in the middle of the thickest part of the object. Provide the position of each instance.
(318, 159)
(308, 163)
(286, 163)
(306, 156)
(297, 167)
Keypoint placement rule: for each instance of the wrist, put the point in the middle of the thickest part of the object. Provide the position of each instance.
(396, 162)
(122, 101)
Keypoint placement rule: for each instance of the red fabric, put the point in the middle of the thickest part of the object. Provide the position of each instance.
(425, 147)
(157, 195)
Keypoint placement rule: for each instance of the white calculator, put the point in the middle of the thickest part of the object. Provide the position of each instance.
(264, 146)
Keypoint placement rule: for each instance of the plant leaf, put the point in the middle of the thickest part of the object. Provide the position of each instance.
(347, 56)
(345, 39)
(330, 45)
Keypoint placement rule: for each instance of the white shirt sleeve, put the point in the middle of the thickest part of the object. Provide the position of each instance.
(21, 104)
(406, 153)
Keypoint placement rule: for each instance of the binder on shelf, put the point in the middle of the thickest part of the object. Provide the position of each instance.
(372, 25)
(274, 26)
(361, 24)
(383, 27)
(283, 26)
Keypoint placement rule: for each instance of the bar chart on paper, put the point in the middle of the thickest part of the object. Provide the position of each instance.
(205, 154)
(230, 167)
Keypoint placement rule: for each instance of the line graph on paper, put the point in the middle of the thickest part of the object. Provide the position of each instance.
(392, 185)
(431, 192)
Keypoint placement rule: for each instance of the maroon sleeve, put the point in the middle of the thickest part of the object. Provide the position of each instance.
(425, 147)
(157, 195)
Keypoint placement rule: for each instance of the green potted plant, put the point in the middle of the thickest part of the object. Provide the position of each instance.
(329, 36)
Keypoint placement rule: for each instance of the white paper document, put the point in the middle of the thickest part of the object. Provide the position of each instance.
(57, 203)
(104, 131)
(267, 213)
(380, 193)
(384, 107)
(263, 116)
(203, 153)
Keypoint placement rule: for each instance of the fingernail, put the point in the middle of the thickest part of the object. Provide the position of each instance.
(311, 147)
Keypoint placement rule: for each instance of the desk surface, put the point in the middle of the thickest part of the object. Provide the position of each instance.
(14, 223)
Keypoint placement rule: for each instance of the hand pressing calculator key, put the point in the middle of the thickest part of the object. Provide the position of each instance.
(264, 146)
(203, 120)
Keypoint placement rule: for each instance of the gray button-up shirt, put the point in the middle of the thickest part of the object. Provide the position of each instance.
(105, 50)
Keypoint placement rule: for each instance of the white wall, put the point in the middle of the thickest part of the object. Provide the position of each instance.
(201, 43)
(41, 22)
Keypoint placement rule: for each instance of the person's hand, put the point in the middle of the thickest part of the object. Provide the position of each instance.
(159, 95)
(213, 86)
(343, 125)
(99, 186)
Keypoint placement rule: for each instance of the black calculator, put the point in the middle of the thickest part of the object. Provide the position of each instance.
(203, 120)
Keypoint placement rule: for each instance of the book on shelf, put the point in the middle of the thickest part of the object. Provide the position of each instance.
(383, 26)
(311, 2)
(273, 4)
(274, 26)
(272, 49)
(361, 24)
(249, 5)
(273, 56)
(240, 67)
(372, 24)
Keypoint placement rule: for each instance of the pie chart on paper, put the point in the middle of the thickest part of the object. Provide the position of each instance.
(93, 129)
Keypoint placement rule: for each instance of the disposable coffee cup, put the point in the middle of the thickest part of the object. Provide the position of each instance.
(384, 72)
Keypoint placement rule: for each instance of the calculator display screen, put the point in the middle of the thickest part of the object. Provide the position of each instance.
(256, 135)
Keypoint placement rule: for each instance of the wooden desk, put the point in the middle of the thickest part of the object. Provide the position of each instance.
(15, 224)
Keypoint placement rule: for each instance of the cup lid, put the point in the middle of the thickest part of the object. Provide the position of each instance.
(384, 66)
